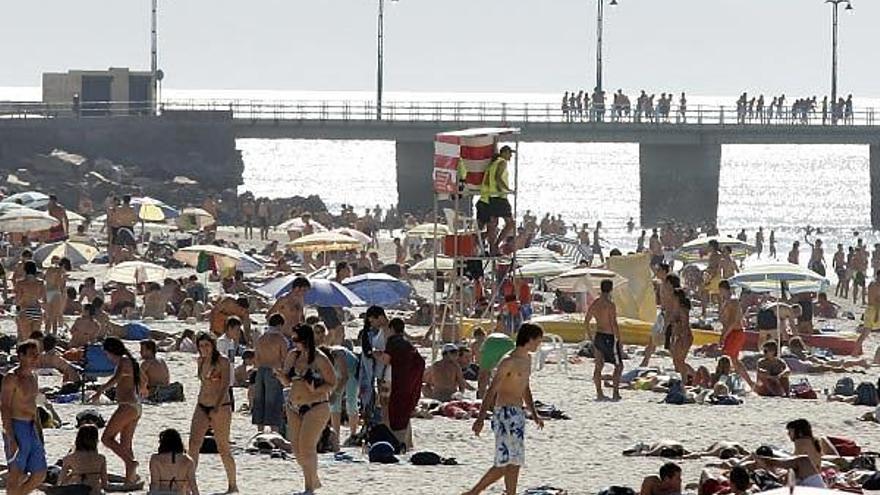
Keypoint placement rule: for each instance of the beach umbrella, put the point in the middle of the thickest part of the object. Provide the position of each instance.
(379, 289)
(78, 253)
(26, 220)
(324, 242)
(542, 269)
(354, 234)
(136, 272)
(333, 294)
(584, 280)
(297, 225)
(194, 219)
(152, 210)
(30, 199)
(698, 249)
(74, 218)
(203, 257)
(443, 264)
(278, 287)
(537, 253)
(429, 231)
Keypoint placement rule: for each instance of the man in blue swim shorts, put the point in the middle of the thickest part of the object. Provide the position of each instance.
(25, 454)
(509, 394)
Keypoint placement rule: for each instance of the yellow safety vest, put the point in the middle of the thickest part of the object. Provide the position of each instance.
(490, 187)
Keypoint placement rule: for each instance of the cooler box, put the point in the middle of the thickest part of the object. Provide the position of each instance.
(466, 245)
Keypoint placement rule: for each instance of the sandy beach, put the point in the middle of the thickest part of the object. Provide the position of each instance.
(581, 455)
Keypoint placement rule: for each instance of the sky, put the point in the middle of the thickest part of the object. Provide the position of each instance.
(706, 47)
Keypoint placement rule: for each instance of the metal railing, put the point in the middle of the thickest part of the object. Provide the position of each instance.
(259, 111)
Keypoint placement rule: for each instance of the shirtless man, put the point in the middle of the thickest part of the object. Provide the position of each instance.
(155, 302)
(88, 292)
(60, 231)
(733, 338)
(56, 295)
(606, 339)
(712, 275)
(664, 287)
(655, 248)
(772, 373)
(248, 211)
(85, 329)
(729, 267)
(154, 370)
(839, 266)
(270, 350)
(859, 267)
(122, 301)
(229, 306)
(817, 256)
(668, 483)
(30, 294)
(290, 306)
(25, 453)
(507, 393)
(51, 357)
(124, 217)
(444, 378)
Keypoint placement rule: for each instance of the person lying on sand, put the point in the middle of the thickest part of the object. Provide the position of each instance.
(671, 449)
(802, 361)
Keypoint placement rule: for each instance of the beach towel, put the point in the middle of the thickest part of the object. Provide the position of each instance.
(845, 446)
(407, 368)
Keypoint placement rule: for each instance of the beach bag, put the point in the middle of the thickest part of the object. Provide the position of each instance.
(866, 395)
(173, 392)
(617, 490)
(845, 386)
(380, 433)
(425, 459)
(383, 453)
(803, 390)
(844, 446)
(329, 442)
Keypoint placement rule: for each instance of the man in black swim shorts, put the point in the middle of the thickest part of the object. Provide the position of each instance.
(606, 339)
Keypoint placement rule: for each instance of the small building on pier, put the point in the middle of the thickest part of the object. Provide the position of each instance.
(115, 91)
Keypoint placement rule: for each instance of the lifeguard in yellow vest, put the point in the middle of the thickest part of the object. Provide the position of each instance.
(493, 202)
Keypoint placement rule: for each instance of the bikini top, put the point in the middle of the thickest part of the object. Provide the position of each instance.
(310, 375)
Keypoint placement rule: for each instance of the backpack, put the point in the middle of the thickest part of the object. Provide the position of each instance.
(866, 395)
(381, 433)
(845, 386)
(617, 490)
(803, 390)
(383, 453)
(425, 459)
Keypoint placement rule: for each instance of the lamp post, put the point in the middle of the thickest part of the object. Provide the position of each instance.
(600, 24)
(835, 4)
(380, 48)
(154, 59)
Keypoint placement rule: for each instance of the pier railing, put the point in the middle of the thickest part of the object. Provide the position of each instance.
(442, 111)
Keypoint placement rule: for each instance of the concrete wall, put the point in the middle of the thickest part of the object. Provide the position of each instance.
(679, 182)
(874, 167)
(415, 165)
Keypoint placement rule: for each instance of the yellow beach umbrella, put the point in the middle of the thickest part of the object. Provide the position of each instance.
(324, 242)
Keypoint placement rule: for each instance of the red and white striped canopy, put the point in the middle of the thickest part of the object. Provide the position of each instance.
(470, 148)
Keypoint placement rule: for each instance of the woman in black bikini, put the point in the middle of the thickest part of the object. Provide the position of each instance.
(309, 374)
(214, 406)
(171, 470)
(85, 466)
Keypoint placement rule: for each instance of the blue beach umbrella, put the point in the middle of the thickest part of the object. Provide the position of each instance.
(277, 287)
(332, 294)
(379, 289)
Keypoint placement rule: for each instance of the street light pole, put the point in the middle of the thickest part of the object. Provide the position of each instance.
(835, 4)
(379, 65)
(599, 26)
(154, 59)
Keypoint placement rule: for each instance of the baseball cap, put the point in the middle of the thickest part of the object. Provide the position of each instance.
(447, 348)
(506, 148)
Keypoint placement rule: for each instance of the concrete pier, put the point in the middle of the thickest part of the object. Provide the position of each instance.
(874, 167)
(415, 165)
(679, 182)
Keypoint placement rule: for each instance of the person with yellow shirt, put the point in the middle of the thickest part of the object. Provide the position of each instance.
(493, 203)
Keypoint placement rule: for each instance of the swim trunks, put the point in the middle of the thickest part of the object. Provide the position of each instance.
(499, 208)
(509, 426)
(607, 345)
(30, 457)
(859, 278)
(493, 349)
(734, 343)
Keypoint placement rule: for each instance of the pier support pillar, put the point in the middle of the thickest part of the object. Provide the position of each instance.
(874, 161)
(679, 182)
(415, 166)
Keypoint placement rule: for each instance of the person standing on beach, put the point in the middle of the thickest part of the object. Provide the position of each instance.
(655, 248)
(838, 264)
(407, 368)
(270, 350)
(859, 265)
(56, 297)
(733, 337)
(60, 231)
(25, 453)
(507, 394)
(759, 241)
(291, 306)
(248, 211)
(123, 423)
(773, 244)
(682, 336)
(214, 406)
(30, 297)
(263, 217)
(597, 242)
(607, 347)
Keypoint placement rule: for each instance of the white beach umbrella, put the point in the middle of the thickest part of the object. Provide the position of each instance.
(26, 220)
(354, 234)
(584, 280)
(444, 264)
(537, 253)
(698, 249)
(541, 269)
(428, 231)
(297, 225)
(194, 218)
(30, 199)
(324, 242)
(223, 257)
(136, 272)
(77, 252)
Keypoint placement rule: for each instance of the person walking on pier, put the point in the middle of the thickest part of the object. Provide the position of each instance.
(682, 108)
(565, 106)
